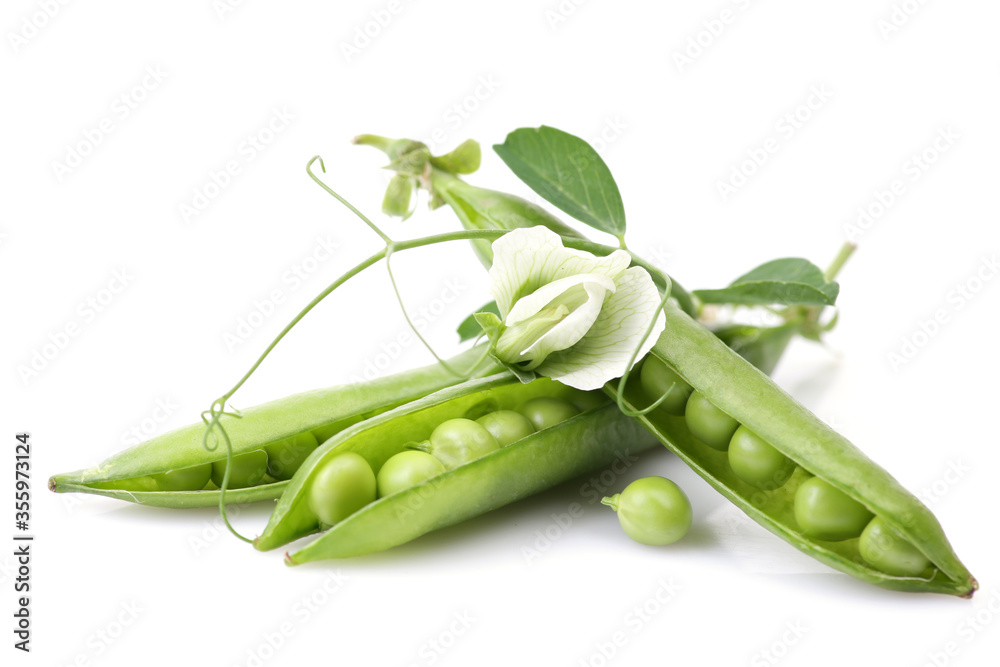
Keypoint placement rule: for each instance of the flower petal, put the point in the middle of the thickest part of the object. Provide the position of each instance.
(603, 353)
(573, 326)
(530, 305)
(526, 259)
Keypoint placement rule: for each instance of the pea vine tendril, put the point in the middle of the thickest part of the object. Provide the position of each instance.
(216, 432)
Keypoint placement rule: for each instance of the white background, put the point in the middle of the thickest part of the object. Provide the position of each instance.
(670, 131)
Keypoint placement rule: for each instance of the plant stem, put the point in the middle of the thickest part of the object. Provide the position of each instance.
(845, 253)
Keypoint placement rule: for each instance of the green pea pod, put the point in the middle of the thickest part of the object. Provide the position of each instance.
(754, 400)
(761, 346)
(131, 475)
(536, 462)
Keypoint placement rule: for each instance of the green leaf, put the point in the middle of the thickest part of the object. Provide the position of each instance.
(463, 160)
(470, 327)
(787, 282)
(568, 173)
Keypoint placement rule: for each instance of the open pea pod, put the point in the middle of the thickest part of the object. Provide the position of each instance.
(547, 457)
(284, 430)
(752, 399)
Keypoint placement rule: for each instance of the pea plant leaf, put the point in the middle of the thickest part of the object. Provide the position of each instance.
(470, 327)
(568, 173)
(785, 282)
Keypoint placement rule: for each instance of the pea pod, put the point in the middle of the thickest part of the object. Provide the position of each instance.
(313, 416)
(748, 396)
(761, 346)
(529, 465)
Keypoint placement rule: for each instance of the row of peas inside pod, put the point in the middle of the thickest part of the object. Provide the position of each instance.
(184, 468)
(444, 459)
(274, 462)
(346, 482)
(821, 511)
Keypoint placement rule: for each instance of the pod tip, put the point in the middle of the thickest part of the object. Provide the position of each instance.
(973, 587)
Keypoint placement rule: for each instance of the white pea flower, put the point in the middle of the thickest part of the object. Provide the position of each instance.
(567, 314)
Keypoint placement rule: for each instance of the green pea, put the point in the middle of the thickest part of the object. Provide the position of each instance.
(458, 441)
(341, 487)
(758, 463)
(506, 426)
(286, 456)
(826, 513)
(248, 470)
(657, 379)
(708, 423)
(406, 469)
(192, 478)
(652, 510)
(546, 411)
(884, 550)
(596, 439)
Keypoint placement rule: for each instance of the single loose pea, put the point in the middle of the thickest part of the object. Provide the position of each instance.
(506, 426)
(884, 550)
(652, 510)
(546, 411)
(708, 423)
(286, 456)
(406, 469)
(458, 441)
(248, 470)
(826, 513)
(192, 478)
(342, 485)
(758, 463)
(657, 379)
